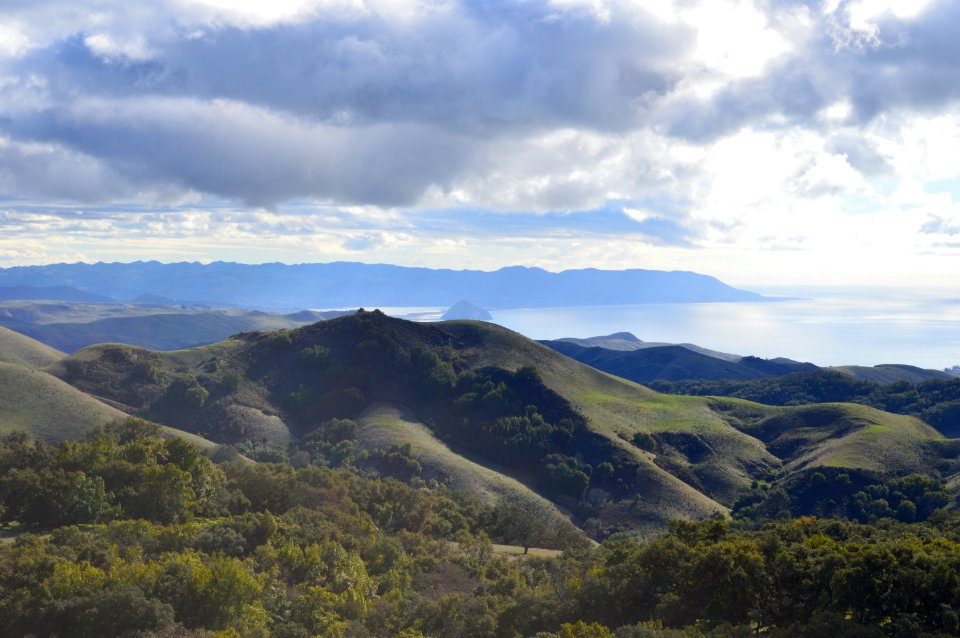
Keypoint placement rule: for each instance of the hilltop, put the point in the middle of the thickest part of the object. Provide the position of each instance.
(624, 355)
(45, 407)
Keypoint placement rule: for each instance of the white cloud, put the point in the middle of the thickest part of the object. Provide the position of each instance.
(109, 48)
(734, 37)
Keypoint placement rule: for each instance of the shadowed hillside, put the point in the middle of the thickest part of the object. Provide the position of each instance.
(675, 363)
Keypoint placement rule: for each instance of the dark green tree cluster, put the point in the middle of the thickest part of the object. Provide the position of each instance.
(850, 494)
(120, 471)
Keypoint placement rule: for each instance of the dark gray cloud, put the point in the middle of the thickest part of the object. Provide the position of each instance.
(233, 150)
(37, 171)
(347, 109)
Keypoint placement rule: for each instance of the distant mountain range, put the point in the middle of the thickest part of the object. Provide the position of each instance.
(342, 284)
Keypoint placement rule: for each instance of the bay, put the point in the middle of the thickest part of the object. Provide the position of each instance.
(826, 326)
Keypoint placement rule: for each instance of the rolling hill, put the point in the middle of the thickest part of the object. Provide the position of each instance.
(488, 410)
(58, 293)
(627, 341)
(617, 354)
(22, 350)
(47, 408)
(892, 373)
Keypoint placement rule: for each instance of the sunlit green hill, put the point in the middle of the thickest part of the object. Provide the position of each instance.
(20, 349)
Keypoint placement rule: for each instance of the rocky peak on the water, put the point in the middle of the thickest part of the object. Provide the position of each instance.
(463, 309)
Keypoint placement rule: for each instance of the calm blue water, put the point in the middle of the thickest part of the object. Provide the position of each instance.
(826, 326)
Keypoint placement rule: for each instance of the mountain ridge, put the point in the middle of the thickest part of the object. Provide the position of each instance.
(352, 284)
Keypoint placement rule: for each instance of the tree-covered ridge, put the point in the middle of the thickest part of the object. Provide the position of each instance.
(936, 401)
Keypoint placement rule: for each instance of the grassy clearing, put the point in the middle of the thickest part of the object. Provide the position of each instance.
(533, 552)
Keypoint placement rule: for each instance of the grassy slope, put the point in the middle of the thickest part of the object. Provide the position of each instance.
(107, 375)
(49, 409)
(384, 425)
(22, 350)
(614, 407)
(838, 435)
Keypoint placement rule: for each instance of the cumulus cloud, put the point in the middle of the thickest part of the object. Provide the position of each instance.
(872, 62)
(31, 170)
(346, 106)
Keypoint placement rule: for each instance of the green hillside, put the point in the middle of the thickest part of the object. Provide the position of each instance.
(493, 412)
(22, 350)
(675, 363)
(839, 435)
(383, 426)
(46, 408)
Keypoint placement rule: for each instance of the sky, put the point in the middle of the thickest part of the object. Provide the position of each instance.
(765, 143)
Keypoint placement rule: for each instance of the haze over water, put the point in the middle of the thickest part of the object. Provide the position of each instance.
(825, 326)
